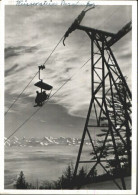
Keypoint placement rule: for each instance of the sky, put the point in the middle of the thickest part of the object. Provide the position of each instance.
(31, 33)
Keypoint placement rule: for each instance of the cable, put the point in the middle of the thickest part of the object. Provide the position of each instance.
(22, 124)
(53, 50)
(69, 79)
(45, 102)
(109, 17)
(36, 73)
(20, 94)
(32, 78)
(52, 94)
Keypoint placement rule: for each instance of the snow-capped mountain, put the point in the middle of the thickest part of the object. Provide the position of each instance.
(45, 141)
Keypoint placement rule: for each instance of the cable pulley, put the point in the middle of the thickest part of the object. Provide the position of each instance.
(76, 22)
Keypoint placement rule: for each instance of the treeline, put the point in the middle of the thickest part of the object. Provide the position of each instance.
(67, 181)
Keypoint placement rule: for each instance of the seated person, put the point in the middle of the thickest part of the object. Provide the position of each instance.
(44, 96)
(38, 99)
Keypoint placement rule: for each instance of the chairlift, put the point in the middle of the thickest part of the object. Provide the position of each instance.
(45, 91)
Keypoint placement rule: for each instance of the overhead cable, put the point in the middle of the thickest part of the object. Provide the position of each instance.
(45, 102)
(32, 78)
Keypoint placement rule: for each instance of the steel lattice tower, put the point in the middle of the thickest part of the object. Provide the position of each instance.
(106, 78)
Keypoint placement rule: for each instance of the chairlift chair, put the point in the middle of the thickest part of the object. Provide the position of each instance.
(43, 95)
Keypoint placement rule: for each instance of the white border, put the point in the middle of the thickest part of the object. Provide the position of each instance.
(134, 103)
(134, 95)
(2, 96)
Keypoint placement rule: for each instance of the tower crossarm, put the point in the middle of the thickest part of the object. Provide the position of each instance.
(93, 30)
(120, 34)
(113, 37)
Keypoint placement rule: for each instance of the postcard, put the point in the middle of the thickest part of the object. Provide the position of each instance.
(68, 97)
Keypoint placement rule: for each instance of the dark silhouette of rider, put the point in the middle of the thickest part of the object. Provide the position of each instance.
(44, 96)
(38, 99)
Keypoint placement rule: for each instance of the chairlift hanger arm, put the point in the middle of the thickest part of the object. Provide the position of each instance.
(74, 25)
(40, 68)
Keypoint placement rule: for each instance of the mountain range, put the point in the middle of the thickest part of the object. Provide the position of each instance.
(45, 141)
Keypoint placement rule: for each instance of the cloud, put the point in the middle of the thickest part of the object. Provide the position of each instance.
(10, 70)
(33, 32)
(15, 51)
(42, 121)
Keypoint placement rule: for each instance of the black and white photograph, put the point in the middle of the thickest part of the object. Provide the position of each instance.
(69, 97)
